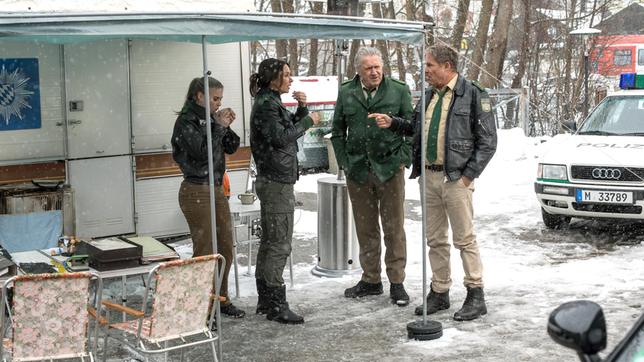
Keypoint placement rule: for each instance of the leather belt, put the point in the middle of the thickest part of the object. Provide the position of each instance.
(435, 168)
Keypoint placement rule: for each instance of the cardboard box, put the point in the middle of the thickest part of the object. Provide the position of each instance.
(113, 253)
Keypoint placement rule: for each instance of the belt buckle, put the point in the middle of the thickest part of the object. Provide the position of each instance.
(434, 168)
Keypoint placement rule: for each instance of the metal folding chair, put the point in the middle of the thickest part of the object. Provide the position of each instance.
(49, 317)
(185, 301)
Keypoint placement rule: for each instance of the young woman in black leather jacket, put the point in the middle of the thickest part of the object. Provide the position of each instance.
(190, 152)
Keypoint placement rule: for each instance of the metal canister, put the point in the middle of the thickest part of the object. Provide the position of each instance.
(338, 250)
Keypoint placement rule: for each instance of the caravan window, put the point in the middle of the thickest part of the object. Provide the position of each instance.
(622, 57)
(640, 57)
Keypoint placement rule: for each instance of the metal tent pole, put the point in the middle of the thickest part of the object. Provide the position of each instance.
(424, 329)
(586, 81)
(423, 175)
(339, 48)
(211, 176)
(211, 185)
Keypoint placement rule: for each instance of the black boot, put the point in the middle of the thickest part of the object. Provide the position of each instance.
(263, 297)
(435, 302)
(279, 310)
(231, 310)
(363, 289)
(473, 307)
(398, 294)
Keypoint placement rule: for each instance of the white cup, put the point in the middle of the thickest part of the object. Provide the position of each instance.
(247, 198)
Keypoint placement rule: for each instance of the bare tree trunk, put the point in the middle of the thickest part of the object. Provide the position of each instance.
(400, 62)
(293, 54)
(253, 54)
(497, 45)
(525, 44)
(351, 68)
(422, 16)
(481, 39)
(316, 8)
(281, 46)
(325, 58)
(459, 27)
(522, 58)
(410, 10)
(568, 59)
(389, 11)
(353, 50)
(382, 44)
(254, 45)
(400, 59)
(412, 62)
(592, 14)
(313, 58)
(532, 83)
(334, 59)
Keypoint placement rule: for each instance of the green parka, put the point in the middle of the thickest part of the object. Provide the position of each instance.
(359, 144)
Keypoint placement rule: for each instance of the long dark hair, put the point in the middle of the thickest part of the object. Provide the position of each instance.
(268, 70)
(196, 86)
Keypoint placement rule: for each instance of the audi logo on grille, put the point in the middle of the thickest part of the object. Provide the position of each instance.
(607, 173)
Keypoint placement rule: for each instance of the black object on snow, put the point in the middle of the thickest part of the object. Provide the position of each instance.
(424, 330)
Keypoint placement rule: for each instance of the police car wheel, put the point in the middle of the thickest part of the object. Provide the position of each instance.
(554, 221)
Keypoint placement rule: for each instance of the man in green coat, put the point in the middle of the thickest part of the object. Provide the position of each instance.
(374, 159)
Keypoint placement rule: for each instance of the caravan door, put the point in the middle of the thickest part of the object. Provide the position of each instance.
(97, 94)
(98, 137)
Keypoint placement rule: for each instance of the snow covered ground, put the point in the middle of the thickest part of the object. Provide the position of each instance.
(529, 270)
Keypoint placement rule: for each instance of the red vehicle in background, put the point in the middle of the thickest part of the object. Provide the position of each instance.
(616, 54)
(321, 93)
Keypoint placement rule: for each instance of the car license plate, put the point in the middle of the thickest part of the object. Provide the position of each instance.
(604, 197)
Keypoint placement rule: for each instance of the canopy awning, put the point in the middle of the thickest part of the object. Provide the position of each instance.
(191, 27)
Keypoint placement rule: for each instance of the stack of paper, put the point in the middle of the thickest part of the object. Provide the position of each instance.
(111, 244)
(153, 250)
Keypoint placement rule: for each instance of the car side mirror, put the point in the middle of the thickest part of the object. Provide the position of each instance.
(579, 325)
(569, 126)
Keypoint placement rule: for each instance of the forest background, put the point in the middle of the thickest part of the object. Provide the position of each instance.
(504, 44)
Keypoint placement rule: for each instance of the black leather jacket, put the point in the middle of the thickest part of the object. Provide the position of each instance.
(273, 136)
(190, 145)
(470, 132)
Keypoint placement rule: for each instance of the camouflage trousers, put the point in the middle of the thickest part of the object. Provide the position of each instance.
(277, 207)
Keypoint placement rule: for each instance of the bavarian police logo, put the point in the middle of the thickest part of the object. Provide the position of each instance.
(19, 94)
(485, 104)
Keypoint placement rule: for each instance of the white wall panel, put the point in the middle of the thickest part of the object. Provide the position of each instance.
(157, 207)
(103, 195)
(157, 204)
(160, 75)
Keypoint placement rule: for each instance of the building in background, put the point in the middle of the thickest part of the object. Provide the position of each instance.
(620, 47)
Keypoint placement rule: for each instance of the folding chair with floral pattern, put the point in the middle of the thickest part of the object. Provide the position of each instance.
(49, 316)
(179, 315)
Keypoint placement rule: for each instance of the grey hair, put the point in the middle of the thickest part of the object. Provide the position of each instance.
(444, 54)
(364, 52)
